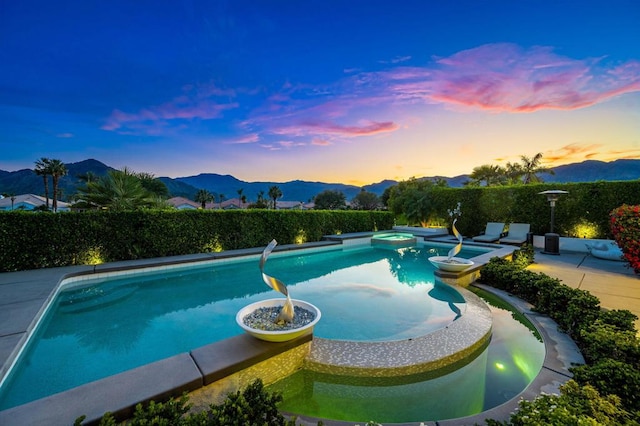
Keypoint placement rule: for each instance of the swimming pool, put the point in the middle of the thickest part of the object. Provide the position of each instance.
(497, 374)
(97, 328)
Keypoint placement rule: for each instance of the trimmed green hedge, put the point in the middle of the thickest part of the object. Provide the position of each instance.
(584, 211)
(44, 240)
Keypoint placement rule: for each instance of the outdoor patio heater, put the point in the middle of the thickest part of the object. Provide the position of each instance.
(551, 239)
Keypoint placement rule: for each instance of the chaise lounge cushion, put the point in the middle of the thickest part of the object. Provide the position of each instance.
(517, 234)
(492, 233)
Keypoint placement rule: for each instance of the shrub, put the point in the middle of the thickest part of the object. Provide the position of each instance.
(601, 341)
(576, 405)
(612, 377)
(253, 406)
(625, 227)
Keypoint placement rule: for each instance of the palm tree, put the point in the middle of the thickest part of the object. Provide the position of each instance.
(203, 197)
(118, 190)
(240, 196)
(531, 167)
(42, 169)
(57, 169)
(490, 174)
(274, 193)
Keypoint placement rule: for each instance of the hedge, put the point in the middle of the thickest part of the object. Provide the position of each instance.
(44, 240)
(583, 212)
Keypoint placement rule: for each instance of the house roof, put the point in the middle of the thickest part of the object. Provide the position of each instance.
(177, 202)
(28, 199)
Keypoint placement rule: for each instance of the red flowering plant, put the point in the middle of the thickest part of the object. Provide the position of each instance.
(625, 227)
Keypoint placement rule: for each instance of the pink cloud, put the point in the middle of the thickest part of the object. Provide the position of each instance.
(328, 128)
(320, 142)
(505, 77)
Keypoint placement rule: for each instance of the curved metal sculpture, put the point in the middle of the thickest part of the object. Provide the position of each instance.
(455, 250)
(286, 313)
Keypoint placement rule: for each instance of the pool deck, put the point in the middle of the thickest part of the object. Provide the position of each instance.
(24, 295)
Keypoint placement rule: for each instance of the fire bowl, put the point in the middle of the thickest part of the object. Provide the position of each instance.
(455, 264)
(277, 335)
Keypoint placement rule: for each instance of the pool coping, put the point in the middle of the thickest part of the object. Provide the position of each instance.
(166, 377)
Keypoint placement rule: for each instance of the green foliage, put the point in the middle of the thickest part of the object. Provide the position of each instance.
(625, 227)
(253, 406)
(365, 201)
(576, 405)
(330, 200)
(33, 241)
(523, 256)
(621, 319)
(612, 377)
(572, 309)
(607, 339)
(584, 210)
(119, 190)
(601, 341)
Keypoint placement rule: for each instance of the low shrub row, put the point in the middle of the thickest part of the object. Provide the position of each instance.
(606, 389)
(44, 240)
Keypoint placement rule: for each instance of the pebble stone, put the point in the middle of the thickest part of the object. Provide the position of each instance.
(265, 319)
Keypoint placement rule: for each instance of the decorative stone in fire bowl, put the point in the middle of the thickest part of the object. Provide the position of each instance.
(260, 319)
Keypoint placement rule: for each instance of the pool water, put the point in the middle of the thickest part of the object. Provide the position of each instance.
(107, 326)
(511, 361)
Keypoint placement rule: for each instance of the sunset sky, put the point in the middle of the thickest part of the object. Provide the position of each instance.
(350, 91)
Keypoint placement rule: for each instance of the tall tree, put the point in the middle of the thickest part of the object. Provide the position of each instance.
(42, 169)
(365, 201)
(57, 169)
(531, 167)
(240, 197)
(203, 197)
(330, 200)
(274, 193)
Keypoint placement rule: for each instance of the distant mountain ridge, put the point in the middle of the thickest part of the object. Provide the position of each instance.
(25, 181)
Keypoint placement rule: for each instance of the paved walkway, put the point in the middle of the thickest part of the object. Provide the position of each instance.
(614, 283)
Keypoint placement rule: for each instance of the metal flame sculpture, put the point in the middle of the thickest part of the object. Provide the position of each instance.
(286, 313)
(455, 250)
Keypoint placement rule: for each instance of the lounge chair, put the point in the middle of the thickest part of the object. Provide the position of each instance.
(517, 234)
(492, 233)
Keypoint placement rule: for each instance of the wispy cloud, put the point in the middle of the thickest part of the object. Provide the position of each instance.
(196, 102)
(579, 152)
(65, 135)
(396, 60)
(252, 138)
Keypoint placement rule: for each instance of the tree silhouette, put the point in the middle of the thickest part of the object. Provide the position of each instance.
(203, 197)
(274, 193)
(42, 169)
(57, 169)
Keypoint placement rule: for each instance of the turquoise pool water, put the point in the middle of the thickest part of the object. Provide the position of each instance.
(510, 362)
(104, 327)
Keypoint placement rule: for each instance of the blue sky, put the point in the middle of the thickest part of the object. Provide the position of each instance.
(336, 91)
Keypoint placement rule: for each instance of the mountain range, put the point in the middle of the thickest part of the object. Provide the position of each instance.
(25, 181)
